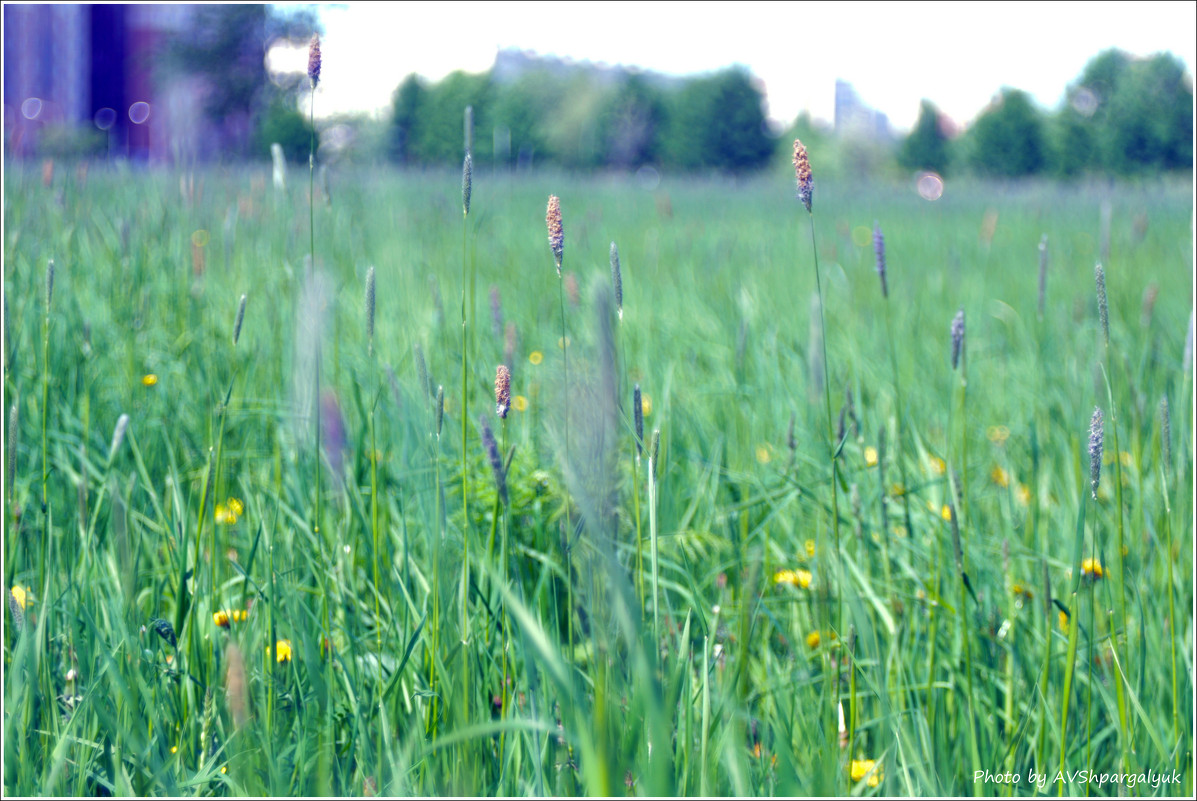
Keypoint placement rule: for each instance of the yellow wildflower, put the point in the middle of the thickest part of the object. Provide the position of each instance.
(870, 454)
(1024, 494)
(860, 768)
(149, 379)
(174, 749)
(1091, 569)
(536, 357)
(998, 435)
(646, 404)
(223, 617)
(938, 466)
(897, 490)
(564, 343)
(22, 595)
(762, 454)
(999, 476)
(1025, 592)
(1063, 621)
(810, 549)
(946, 513)
(519, 403)
(795, 578)
(282, 651)
(235, 506)
(813, 639)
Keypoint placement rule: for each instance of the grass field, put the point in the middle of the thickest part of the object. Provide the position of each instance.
(723, 618)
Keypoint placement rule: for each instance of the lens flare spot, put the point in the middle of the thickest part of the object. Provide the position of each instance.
(929, 185)
(139, 112)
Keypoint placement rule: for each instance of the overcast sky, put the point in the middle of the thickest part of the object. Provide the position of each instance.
(956, 54)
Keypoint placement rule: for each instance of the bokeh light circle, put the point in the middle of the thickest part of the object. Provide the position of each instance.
(31, 109)
(105, 118)
(929, 185)
(139, 112)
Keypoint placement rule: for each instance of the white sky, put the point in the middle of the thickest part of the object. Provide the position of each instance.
(956, 54)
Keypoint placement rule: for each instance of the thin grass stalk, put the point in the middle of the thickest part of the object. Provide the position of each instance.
(465, 478)
(971, 722)
(1045, 674)
(45, 543)
(652, 533)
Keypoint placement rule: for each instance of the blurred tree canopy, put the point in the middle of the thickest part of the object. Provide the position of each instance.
(225, 46)
(584, 120)
(1007, 140)
(926, 148)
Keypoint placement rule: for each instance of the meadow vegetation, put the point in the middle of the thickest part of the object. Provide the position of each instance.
(264, 532)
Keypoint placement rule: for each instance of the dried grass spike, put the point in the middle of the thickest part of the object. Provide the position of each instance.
(502, 391)
(879, 254)
(638, 418)
(1166, 432)
(49, 284)
(467, 182)
(957, 338)
(440, 409)
(1103, 309)
(240, 319)
(556, 233)
(496, 460)
(314, 61)
(617, 281)
(803, 174)
(1096, 440)
(118, 435)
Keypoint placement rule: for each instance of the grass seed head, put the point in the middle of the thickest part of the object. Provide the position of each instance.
(240, 319)
(957, 337)
(496, 460)
(49, 284)
(638, 417)
(469, 129)
(1103, 309)
(502, 391)
(617, 280)
(11, 436)
(118, 435)
(879, 253)
(440, 409)
(654, 451)
(421, 369)
(1166, 431)
(314, 61)
(1096, 438)
(803, 174)
(467, 182)
(556, 233)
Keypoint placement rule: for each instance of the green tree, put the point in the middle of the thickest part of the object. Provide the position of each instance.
(633, 124)
(439, 132)
(1150, 123)
(718, 121)
(1008, 138)
(926, 148)
(406, 114)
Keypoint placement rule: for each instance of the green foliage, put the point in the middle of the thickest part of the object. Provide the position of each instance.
(283, 123)
(926, 147)
(1007, 140)
(715, 331)
(717, 122)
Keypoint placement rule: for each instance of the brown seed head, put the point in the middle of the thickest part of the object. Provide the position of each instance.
(803, 174)
(502, 391)
(556, 234)
(314, 61)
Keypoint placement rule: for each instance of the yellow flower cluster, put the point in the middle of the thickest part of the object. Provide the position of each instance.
(228, 512)
(22, 595)
(794, 578)
(223, 617)
(860, 768)
(282, 651)
(999, 476)
(1091, 569)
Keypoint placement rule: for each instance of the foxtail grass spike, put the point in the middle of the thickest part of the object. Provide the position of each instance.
(469, 129)
(467, 182)
(496, 459)
(370, 307)
(1096, 439)
(421, 370)
(803, 175)
(440, 409)
(957, 337)
(791, 440)
(638, 418)
(49, 284)
(879, 253)
(502, 391)
(654, 451)
(240, 319)
(617, 280)
(314, 61)
(1103, 309)
(1042, 274)
(118, 435)
(556, 233)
